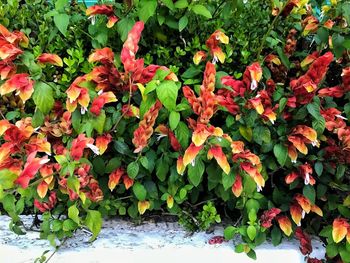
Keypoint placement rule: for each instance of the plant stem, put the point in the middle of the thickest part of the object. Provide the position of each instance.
(217, 9)
(272, 25)
(204, 202)
(82, 31)
(124, 197)
(12, 190)
(57, 248)
(129, 103)
(2, 115)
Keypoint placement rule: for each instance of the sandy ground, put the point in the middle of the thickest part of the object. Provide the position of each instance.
(123, 241)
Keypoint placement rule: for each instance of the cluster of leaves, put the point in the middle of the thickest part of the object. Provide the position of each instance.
(88, 133)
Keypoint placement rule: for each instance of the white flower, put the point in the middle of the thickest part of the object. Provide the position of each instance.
(253, 85)
(93, 148)
(341, 117)
(258, 188)
(314, 143)
(160, 136)
(83, 110)
(193, 162)
(307, 179)
(43, 161)
(93, 19)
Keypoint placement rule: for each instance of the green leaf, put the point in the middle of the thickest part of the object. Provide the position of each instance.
(344, 211)
(139, 191)
(252, 204)
(61, 159)
(73, 184)
(73, 213)
(183, 23)
(8, 203)
(195, 173)
(261, 134)
(60, 4)
(310, 193)
(99, 165)
(229, 232)
(144, 162)
(133, 169)
(276, 236)
(338, 47)
(340, 171)
(252, 215)
(319, 168)
(69, 225)
(147, 9)
(61, 22)
(113, 164)
(326, 231)
(94, 222)
(239, 248)
(182, 133)
(11, 115)
(167, 94)
(180, 4)
(183, 193)
(99, 122)
(162, 169)
(122, 147)
(201, 10)
(314, 110)
(251, 254)
(246, 132)
(281, 153)
(169, 4)
(251, 232)
(38, 118)
(332, 250)
(228, 180)
(283, 57)
(174, 119)
(319, 125)
(56, 225)
(282, 104)
(43, 97)
(124, 26)
(346, 13)
(7, 179)
(344, 254)
(322, 34)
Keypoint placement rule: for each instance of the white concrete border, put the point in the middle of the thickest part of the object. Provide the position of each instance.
(122, 241)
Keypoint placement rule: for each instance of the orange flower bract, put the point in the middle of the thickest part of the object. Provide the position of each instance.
(341, 228)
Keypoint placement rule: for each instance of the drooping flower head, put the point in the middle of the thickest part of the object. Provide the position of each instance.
(130, 49)
(79, 144)
(268, 215)
(104, 56)
(145, 129)
(77, 95)
(213, 45)
(21, 83)
(52, 59)
(107, 10)
(31, 167)
(101, 100)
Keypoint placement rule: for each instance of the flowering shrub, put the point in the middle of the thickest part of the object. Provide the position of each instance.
(266, 147)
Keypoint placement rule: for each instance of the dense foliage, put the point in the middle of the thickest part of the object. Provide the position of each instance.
(201, 110)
